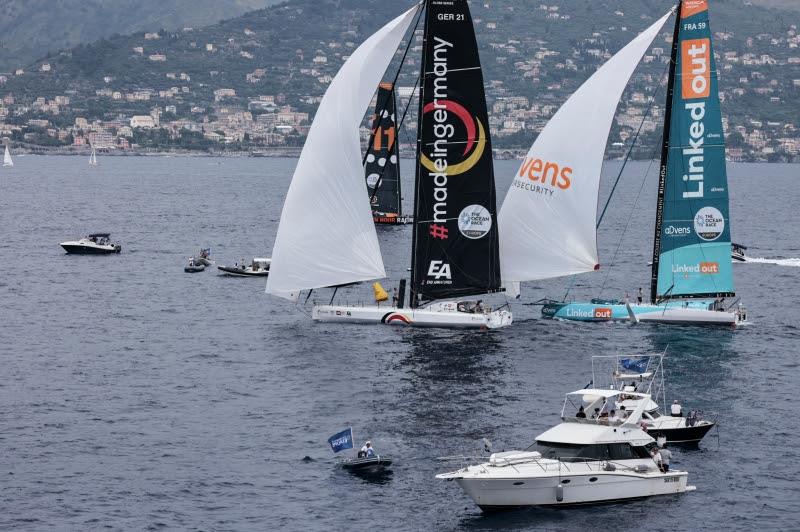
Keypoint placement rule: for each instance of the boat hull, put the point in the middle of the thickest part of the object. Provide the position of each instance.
(424, 317)
(374, 464)
(682, 434)
(492, 494)
(80, 249)
(237, 272)
(696, 313)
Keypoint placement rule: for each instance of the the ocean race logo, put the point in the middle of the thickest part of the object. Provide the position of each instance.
(695, 84)
(475, 222)
(446, 115)
(709, 223)
(543, 177)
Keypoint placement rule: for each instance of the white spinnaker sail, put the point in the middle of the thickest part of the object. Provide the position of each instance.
(7, 158)
(326, 235)
(547, 221)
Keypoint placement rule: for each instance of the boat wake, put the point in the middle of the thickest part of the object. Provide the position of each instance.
(780, 262)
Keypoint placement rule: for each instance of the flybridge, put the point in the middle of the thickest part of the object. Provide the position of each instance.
(442, 131)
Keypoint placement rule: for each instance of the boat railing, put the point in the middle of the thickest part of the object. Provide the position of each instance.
(592, 421)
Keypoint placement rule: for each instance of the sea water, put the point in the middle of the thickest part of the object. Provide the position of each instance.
(136, 396)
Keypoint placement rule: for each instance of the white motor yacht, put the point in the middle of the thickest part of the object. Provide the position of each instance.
(645, 374)
(580, 461)
(93, 244)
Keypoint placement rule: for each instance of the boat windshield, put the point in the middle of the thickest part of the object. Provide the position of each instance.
(568, 452)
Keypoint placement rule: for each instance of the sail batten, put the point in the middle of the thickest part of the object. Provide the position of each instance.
(548, 219)
(326, 236)
(455, 248)
(691, 247)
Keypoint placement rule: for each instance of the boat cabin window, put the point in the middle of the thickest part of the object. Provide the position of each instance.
(568, 452)
(470, 307)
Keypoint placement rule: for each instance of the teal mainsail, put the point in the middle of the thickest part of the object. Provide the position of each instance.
(692, 246)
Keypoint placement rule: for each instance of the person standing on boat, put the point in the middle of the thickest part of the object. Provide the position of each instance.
(640, 296)
(656, 454)
(666, 456)
(675, 409)
(367, 450)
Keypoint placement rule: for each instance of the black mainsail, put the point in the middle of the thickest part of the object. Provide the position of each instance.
(455, 248)
(382, 163)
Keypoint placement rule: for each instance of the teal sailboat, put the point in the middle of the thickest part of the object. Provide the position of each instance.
(692, 273)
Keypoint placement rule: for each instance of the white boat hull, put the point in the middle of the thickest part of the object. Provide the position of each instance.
(437, 315)
(502, 493)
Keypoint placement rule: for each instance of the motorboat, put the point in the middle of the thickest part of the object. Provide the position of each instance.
(738, 252)
(579, 461)
(450, 314)
(259, 267)
(204, 257)
(194, 266)
(646, 374)
(367, 464)
(93, 244)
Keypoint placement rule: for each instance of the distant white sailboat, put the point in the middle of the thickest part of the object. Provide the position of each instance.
(93, 158)
(7, 158)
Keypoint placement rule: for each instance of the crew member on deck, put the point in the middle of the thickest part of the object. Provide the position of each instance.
(367, 450)
(675, 409)
(640, 296)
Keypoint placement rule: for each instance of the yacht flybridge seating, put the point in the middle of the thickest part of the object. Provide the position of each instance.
(93, 244)
(579, 461)
(327, 236)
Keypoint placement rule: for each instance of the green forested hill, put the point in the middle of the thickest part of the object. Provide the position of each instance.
(31, 28)
(292, 49)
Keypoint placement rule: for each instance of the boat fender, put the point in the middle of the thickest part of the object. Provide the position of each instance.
(560, 492)
(609, 467)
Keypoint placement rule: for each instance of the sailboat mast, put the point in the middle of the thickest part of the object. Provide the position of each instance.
(662, 172)
(395, 149)
(413, 298)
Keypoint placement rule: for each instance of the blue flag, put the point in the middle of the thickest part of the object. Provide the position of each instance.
(342, 440)
(639, 365)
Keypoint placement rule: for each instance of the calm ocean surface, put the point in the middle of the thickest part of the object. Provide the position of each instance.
(135, 396)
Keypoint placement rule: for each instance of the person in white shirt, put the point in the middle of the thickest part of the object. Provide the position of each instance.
(612, 417)
(666, 456)
(367, 450)
(656, 454)
(676, 409)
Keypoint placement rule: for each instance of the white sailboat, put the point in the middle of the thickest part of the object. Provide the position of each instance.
(327, 236)
(93, 158)
(7, 158)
